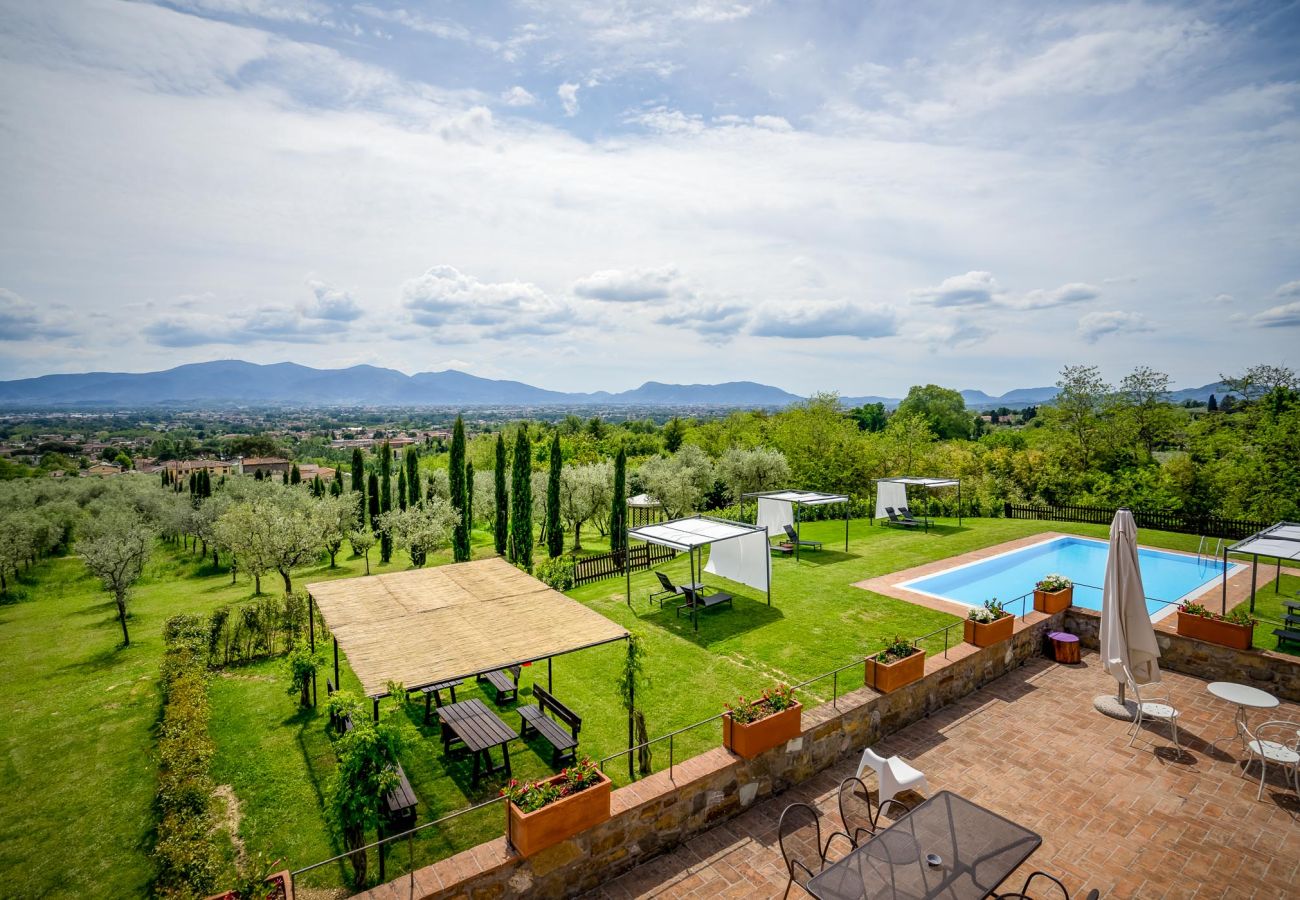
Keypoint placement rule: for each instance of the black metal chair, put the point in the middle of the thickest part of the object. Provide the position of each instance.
(1023, 893)
(669, 591)
(859, 815)
(800, 836)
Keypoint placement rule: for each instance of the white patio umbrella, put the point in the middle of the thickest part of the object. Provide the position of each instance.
(1127, 636)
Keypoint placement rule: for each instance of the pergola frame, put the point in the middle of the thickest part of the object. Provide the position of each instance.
(929, 484)
(811, 498)
(691, 549)
(1278, 542)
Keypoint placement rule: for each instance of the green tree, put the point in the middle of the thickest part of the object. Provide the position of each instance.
(373, 506)
(469, 497)
(501, 524)
(459, 496)
(1143, 404)
(385, 500)
(1212, 405)
(412, 460)
(1077, 411)
(295, 476)
(674, 434)
(358, 471)
(618, 504)
(943, 409)
(748, 471)
(870, 417)
(364, 775)
(551, 523)
(521, 502)
(116, 548)
(401, 488)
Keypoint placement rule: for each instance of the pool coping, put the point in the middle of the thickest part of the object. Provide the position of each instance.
(891, 584)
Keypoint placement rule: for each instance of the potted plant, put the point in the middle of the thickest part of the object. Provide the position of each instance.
(1053, 594)
(1235, 630)
(752, 726)
(540, 814)
(257, 882)
(897, 665)
(988, 624)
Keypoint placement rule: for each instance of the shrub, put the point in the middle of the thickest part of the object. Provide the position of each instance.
(188, 860)
(557, 572)
(899, 648)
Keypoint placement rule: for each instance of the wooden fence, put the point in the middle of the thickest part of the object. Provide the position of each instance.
(1161, 520)
(607, 565)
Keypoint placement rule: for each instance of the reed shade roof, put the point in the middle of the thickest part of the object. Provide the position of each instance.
(423, 626)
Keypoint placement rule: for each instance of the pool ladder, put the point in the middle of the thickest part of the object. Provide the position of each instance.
(1212, 558)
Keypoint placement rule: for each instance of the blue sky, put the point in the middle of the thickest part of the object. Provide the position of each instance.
(824, 196)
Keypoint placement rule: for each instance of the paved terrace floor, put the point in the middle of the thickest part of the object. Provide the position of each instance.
(1136, 821)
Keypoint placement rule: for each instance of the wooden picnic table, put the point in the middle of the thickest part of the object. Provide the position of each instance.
(471, 723)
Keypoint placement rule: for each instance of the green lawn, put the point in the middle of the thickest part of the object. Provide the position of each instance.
(87, 708)
(1270, 611)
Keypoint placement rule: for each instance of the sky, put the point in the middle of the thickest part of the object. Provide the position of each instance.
(852, 197)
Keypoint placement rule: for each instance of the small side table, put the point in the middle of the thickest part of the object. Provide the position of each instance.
(1065, 646)
(1243, 696)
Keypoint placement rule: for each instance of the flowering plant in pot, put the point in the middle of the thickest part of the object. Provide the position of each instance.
(897, 665)
(988, 624)
(1053, 594)
(751, 726)
(542, 813)
(1235, 630)
(259, 880)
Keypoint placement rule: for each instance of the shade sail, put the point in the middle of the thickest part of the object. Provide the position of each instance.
(1127, 636)
(687, 534)
(1280, 541)
(423, 626)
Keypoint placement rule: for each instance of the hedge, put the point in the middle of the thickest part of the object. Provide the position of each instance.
(188, 859)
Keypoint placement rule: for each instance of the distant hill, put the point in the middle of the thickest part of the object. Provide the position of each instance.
(234, 382)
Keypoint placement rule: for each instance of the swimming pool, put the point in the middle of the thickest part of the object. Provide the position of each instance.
(1165, 576)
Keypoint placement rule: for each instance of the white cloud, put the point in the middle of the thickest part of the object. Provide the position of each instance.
(715, 322)
(772, 123)
(630, 286)
(1065, 295)
(1290, 289)
(518, 96)
(971, 289)
(332, 303)
(23, 321)
(445, 298)
(800, 321)
(1285, 316)
(1222, 300)
(568, 94)
(1096, 325)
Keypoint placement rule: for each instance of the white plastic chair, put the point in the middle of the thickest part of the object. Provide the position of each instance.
(1273, 751)
(893, 774)
(1155, 706)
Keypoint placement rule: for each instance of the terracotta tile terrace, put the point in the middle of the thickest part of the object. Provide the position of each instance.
(1135, 822)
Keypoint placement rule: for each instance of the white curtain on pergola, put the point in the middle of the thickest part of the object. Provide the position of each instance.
(774, 514)
(737, 551)
(892, 494)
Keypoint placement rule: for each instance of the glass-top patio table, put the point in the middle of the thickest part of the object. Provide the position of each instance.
(970, 852)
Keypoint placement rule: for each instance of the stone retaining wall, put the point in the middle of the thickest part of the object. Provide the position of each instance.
(660, 811)
(1277, 673)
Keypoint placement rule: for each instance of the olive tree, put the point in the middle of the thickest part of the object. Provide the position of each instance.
(117, 545)
(362, 540)
(584, 494)
(422, 529)
(679, 482)
(749, 471)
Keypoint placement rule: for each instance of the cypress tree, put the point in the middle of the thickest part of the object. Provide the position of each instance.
(459, 536)
(413, 476)
(205, 483)
(401, 489)
(386, 500)
(554, 533)
(521, 502)
(295, 476)
(1212, 405)
(194, 483)
(358, 471)
(164, 478)
(317, 486)
(373, 507)
(284, 478)
(618, 512)
(500, 530)
(336, 487)
(257, 475)
(469, 497)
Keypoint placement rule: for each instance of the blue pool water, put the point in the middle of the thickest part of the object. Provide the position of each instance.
(1165, 576)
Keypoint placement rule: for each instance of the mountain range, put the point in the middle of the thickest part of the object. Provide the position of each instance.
(235, 382)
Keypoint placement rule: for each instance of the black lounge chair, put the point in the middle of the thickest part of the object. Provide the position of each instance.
(906, 515)
(794, 538)
(669, 590)
(696, 598)
(896, 519)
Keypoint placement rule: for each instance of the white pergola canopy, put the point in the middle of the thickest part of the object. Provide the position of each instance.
(1279, 542)
(778, 509)
(804, 498)
(643, 501)
(893, 492)
(741, 553)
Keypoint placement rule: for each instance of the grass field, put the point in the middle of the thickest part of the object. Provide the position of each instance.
(78, 777)
(1271, 612)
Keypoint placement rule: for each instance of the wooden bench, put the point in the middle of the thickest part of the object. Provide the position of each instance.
(704, 601)
(433, 693)
(506, 683)
(400, 802)
(534, 719)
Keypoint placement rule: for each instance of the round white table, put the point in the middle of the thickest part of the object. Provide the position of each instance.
(1244, 697)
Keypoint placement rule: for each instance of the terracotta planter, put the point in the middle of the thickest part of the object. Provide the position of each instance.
(886, 677)
(535, 831)
(986, 635)
(1052, 602)
(748, 739)
(1216, 631)
(283, 884)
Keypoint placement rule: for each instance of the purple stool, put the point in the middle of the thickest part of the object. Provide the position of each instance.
(1065, 646)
